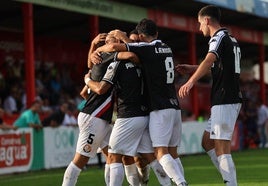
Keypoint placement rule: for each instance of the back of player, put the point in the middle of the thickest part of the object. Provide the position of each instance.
(132, 117)
(158, 68)
(157, 62)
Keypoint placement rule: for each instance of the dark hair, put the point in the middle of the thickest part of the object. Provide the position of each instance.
(147, 27)
(133, 32)
(211, 11)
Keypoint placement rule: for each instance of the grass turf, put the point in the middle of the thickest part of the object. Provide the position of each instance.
(251, 166)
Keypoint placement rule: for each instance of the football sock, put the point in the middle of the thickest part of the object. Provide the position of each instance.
(132, 174)
(180, 165)
(144, 174)
(107, 174)
(172, 169)
(71, 175)
(116, 174)
(212, 154)
(160, 173)
(227, 169)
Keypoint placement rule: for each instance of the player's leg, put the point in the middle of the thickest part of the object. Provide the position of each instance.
(91, 130)
(223, 119)
(143, 168)
(164, 120)
(226, 163)
(116, 169)
(107, 166)
(174, 153)
(131, 170)
(73, 170)
(209, 146)
(147, 160)
(159, 172)
(104, 150)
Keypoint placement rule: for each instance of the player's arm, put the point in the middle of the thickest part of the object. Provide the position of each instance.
(202, 69)
(84, 92)
(99, 87)
(186, 68)
(112, 47)
(94, 45)
(95, 86)
(128, 56)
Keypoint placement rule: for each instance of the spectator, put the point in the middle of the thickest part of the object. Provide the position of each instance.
(3, 125)
(69, 118)
(10, 103)
(57, 117)
(30, 117)
(262, 119)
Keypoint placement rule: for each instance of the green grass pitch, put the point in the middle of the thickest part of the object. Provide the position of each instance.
(251, 166)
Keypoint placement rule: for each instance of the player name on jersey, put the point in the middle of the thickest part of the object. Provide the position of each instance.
(163, 50)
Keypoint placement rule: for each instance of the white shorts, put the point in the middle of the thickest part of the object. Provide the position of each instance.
(93, 133)
(222, 121)
(165, 127)
(145, 145)
(126, 135)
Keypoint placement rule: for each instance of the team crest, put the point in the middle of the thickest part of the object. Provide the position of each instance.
(87, 148)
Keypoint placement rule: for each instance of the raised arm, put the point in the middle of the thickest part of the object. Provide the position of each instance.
(94, 45)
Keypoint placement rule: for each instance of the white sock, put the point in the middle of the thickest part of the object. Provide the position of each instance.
(227, 169)
(107, 174)
(172, 169)
(178, 160)
(71, 175)
(116, 174)
(160, 173)
(212, 154)
(132, 174)
(144, 174)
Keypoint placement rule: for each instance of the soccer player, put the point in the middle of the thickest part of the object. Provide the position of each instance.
(223, 59)
(129, 93)
(165, 115)
(132, 113)
(93, 122)
(145, 158)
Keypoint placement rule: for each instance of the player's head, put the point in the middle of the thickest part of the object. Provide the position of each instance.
(208, 15)
(111, 39)
(134, 36)
(147, 30)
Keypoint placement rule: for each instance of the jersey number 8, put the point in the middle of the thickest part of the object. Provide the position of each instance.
(170, 69)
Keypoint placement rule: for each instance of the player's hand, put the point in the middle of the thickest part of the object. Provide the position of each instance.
(185, 89)
(95, 58)
(99, 38)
